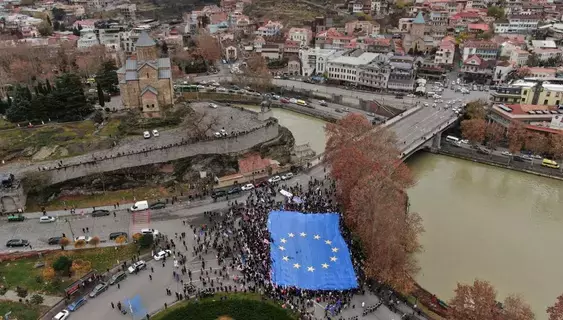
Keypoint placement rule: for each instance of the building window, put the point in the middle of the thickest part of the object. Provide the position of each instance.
(545, 102)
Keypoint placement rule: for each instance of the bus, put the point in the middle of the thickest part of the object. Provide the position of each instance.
(550, 164)
(452, 139)
(186, 88)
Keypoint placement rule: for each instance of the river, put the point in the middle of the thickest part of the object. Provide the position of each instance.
(481, 222)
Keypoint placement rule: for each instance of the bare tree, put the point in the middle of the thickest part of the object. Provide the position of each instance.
(201, 124)
(255, 74)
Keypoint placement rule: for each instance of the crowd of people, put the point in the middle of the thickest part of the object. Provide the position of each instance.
(240, 240)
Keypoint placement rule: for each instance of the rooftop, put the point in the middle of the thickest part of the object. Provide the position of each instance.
(145, 40)
(362, 59)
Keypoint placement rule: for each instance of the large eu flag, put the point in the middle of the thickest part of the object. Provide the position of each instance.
(309, 252)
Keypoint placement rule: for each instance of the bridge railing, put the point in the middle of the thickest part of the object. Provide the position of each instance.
(418, 142)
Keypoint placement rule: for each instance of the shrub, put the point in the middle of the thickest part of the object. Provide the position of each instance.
(95, 241)
(79, 244)
(39, 279)
(146, 240)
(121, 240)
(231, 308)
(36, 299)
(62, 264)
(48, 273)
(21, 291)
(64, 242)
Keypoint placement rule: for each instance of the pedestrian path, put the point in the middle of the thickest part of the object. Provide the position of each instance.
(48, 300)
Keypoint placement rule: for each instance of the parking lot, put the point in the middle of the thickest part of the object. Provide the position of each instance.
(38, 233)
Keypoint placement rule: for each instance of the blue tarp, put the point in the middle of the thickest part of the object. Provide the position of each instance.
(309, 252)
(135, 307)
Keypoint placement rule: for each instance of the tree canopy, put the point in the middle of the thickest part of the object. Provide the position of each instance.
(107, 76)
(371, 183)
(496, 12)
(64, 102)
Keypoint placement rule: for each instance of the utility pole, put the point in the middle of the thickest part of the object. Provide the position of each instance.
(70, 226)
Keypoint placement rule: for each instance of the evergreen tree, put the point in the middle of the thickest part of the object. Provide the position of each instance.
(101, 100)
(47, 86)
(107, 76)
(69, 93)
(20, 108)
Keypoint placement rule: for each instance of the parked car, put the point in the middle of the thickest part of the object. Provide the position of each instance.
(274, 179)
(213, 105)
(137, 266)
(100, 213)
(101, 287)
(323, 103)
(247, 187)
(506, 153)
(17, 243)
(160, 255)
(54, 240)
(118, 277)
(284, 100)
(77, 304)
(47, 219)
(150, 231)
(155, 133)
(83, 238)
(234, 190)
(218, 193)
(16, 217)
(63, 315)
(157, 205)
(115, 235)
(146, 135)
(287, 176)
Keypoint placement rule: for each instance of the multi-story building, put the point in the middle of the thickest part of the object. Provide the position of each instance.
(374, 75)
(271, 28)
(332, 39)
(314, 60)
(546, 54)
(446, 52)
(364, 27)
(401, 74)
(537, 118)
(110, 37)
(128, 11)
(346, 68)
(519, 57)
(521, 24)
(477, 69)
(301, 35)
(87, 40)
(486, 50)
(530, 93)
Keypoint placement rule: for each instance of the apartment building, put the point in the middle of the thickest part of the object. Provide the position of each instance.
(346, 68)
(518, 23)
(314, 60)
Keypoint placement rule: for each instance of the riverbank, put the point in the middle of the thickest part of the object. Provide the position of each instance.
(500, 162)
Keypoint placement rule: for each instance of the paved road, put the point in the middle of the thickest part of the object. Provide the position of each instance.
(384, 98)
(229, 118)
(410, 130)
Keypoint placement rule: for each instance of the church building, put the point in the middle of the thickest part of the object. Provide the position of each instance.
(145, 81)
(417, 40)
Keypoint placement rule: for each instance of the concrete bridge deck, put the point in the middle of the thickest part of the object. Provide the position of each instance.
(417, 126)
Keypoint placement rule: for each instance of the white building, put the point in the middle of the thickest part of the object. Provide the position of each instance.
(301, 35)
(87, 40)
(313, 61)
(520, 24)
(271, 28)
(347, 68)
(111, 38)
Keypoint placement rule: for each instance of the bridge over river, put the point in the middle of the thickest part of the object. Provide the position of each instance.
(420, 127)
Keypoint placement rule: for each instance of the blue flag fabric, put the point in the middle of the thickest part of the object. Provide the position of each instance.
(309, 252)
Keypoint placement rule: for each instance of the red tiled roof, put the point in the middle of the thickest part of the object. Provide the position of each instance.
(252, 163)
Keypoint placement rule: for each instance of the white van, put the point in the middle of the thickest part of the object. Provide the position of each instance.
(140, 206)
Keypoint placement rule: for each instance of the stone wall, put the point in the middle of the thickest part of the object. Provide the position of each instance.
(231, 144)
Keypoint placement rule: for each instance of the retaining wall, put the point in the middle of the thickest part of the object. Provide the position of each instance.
(232, 144)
